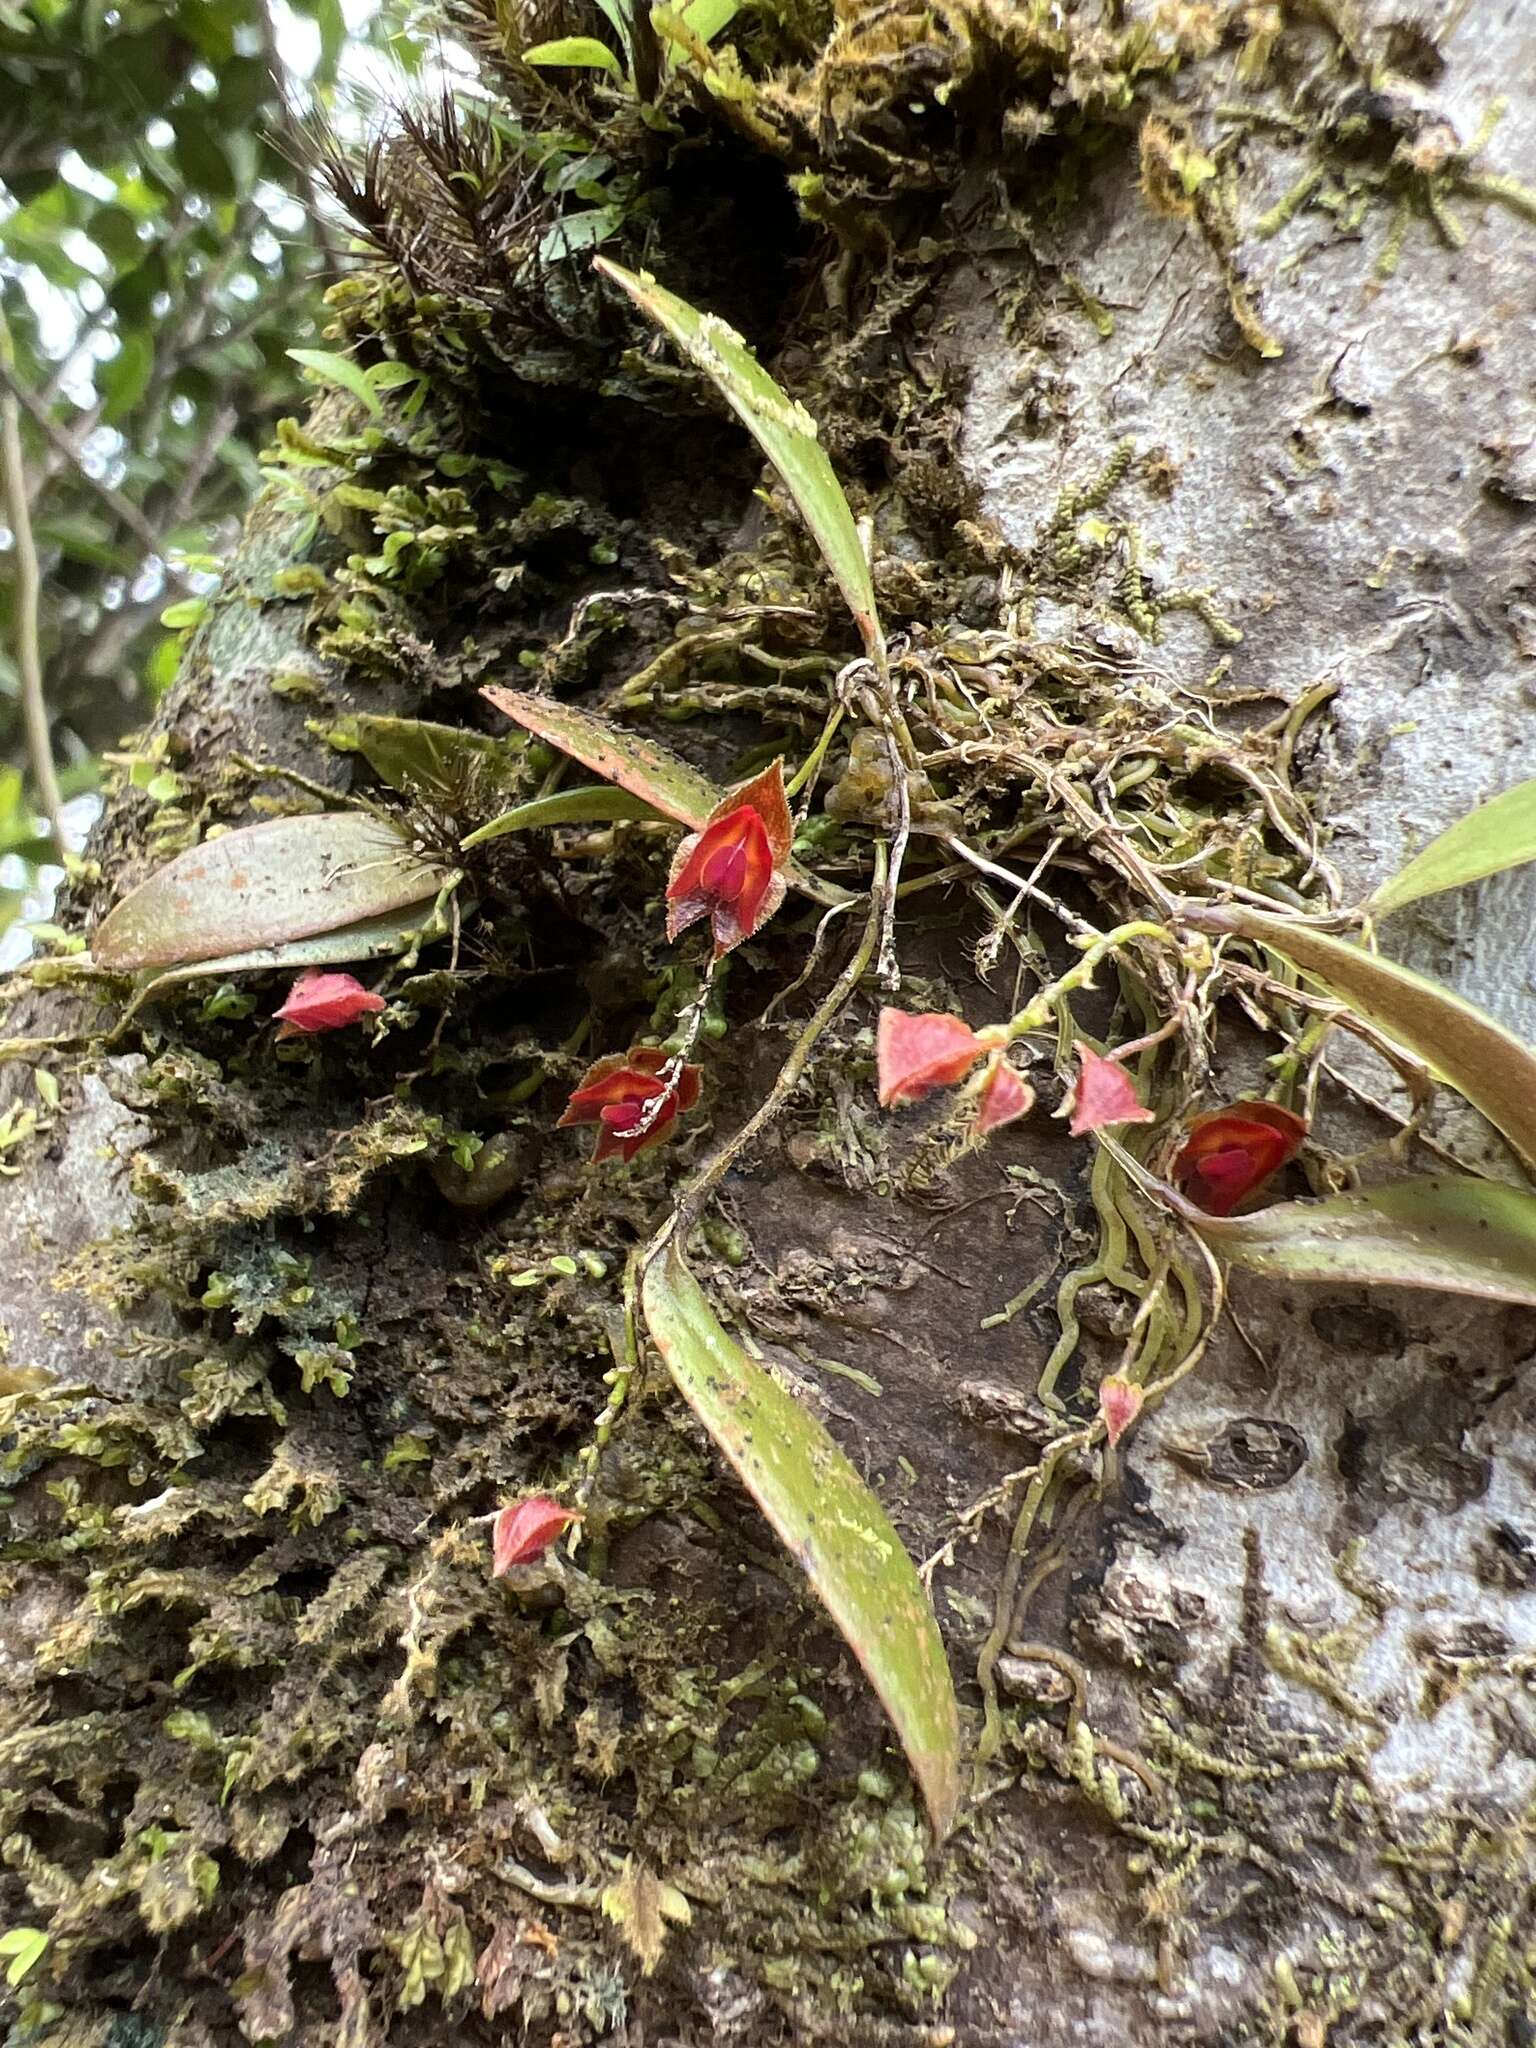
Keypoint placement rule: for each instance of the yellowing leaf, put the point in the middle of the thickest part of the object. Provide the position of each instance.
(263, 886)
(1463, 1044)
(785, 432)
(827, 1518)
(1497, 835)
(637, 764)
(640, 1905)
(584, 52)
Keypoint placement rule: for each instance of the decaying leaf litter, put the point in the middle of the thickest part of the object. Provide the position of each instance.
(1096, 823)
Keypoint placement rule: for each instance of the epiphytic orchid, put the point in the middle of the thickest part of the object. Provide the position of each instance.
(523, 1532)
(1231, 1152)
(633, 1098)
(325, 1002)
(1005, 1096)
(732, 870)
(916, 1054)
(1103, 1093)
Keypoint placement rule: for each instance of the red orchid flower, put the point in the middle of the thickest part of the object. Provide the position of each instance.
(1103, 1093)
(732, 870)
(1005, 1096)
(631, 1099)
(1231, 1152)
(524, 1532)
(916, 1054)
(1119, 1405)
(324, 1002)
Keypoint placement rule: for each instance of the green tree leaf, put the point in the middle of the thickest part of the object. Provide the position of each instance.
(1497, 835)
(123, 378)
(1461, 1043)
(600, 803)
(785, 432)
(288, 878)
(415, 755)
(585, 52)
(830, 1522)
(24, 1947)
(329, 368)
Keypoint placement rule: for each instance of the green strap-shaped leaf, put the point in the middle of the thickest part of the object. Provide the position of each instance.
(635, 763)
(600, 803)
(584, 52)
(263, 886)
(647, 771)
(785, 432)
(1497, 835)
(1445, 1231)
(833, 1526)
(1460, 1042)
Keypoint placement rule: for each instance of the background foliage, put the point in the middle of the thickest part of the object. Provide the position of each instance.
(159, 254)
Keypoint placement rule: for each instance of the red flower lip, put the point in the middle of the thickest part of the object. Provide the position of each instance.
(1231, 1152)
(917, 1053)
(631, 1100)
(325, 1002)
(732, 870)
(525, 1531)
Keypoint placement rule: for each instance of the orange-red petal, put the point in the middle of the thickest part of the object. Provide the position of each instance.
(1230, 1153)
(1104, 1093)
(917, 1053)
(1119, 1405)
(1005, 1096)
(732, 869)
(631, 1100)
(525, 1531)
(319, 1001)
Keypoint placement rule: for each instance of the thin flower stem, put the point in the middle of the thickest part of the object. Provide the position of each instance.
(29, 661)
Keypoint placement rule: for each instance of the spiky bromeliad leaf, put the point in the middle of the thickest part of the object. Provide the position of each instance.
(264, 886)
(784, 431)
(832, 1525)
(1499, 834)
(1459, 1042)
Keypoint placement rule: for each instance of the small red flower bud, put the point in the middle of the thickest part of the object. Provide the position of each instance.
(1231, 1152)
(1104, 1093)
(1119, 1406)
(633, 1098)
(1005, 1096)
(917, 1053)
(324, 1002)
(522, 1533)
(732, 870)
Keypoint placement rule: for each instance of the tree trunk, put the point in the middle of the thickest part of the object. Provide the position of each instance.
(282, 1763)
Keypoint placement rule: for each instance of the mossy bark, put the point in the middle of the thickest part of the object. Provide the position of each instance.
(280, 1761)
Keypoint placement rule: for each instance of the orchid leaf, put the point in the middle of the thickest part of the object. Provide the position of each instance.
(784, 431)
(638, 765)
(263, 886)
(1459, 1042)
(582, 52)
(1499, 834)
(445, 762)
(1450, 1232)
(598, 803)
(646, 770)
(825, 1515)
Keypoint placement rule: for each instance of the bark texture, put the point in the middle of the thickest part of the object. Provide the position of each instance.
(280, 1764)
